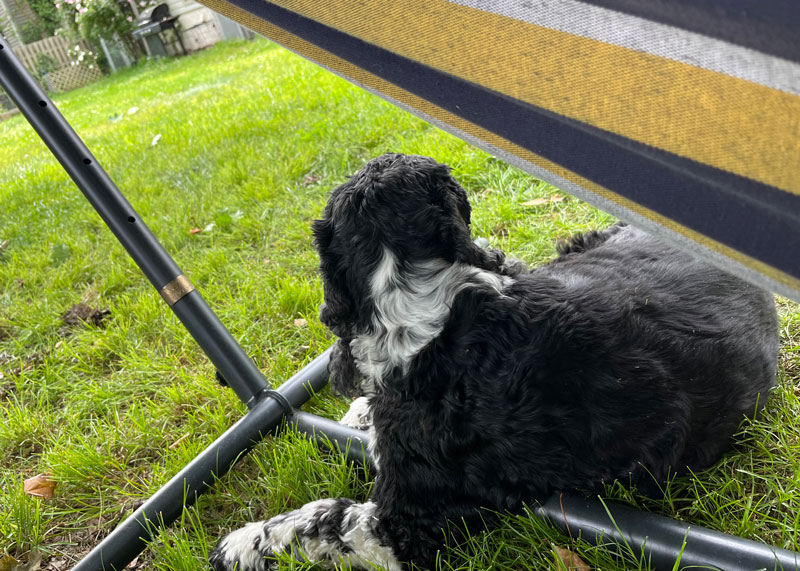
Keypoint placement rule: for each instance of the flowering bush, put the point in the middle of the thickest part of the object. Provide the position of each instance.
(96, 19)
(81, 56)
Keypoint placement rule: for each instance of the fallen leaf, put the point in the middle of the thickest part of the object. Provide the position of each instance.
(300, 322)
(4, 244)
(7, 563)
(194, 231)
(39, 486)
(569, 560)
(542, 201)
(536, 202)
(177, 443)
(310, 179)
(155, 140)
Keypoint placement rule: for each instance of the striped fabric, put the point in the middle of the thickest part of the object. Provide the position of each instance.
(680, 116)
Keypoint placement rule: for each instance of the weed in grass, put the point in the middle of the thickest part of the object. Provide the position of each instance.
(252, 140)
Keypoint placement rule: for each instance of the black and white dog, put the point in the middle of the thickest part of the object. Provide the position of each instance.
(486, 385)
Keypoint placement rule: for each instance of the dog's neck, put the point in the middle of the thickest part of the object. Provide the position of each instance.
(411, 306)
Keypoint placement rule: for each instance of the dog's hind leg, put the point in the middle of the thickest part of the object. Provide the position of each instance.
(328, 532)
(587, 240)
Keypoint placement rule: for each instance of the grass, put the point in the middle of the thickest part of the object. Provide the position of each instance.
(251, 140)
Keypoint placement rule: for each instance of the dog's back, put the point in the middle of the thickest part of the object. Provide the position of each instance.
(716, 336)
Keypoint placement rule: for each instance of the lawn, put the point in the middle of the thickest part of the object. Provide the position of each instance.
(228, 155)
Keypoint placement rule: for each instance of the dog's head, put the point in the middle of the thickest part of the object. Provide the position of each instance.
(408, 205)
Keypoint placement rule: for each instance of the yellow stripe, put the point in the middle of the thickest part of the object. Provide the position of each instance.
(378, 84)
(723, 121)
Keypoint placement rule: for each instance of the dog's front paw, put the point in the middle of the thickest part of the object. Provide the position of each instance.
(246, 549)
(359, 415)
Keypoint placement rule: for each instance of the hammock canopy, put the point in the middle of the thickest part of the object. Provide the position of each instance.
(679, 116)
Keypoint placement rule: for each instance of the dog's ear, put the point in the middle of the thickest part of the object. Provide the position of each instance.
(337, 311)
(455, 224)
(344, 376)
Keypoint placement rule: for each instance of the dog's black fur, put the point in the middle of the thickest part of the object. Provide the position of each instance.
(621, 359)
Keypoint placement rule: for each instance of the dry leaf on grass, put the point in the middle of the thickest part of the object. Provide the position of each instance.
(566, 559)
(39, 486)
(7, 563)
(300, 322)
(543, 201)
(194, 231)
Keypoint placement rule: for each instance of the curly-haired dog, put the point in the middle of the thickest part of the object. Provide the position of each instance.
(490, 386)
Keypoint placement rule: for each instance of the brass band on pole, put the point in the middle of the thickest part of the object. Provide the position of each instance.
(176, 289)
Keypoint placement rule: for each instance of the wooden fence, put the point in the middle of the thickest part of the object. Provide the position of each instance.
(69, 75)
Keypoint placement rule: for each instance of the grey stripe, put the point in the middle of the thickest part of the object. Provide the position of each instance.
(642, 35)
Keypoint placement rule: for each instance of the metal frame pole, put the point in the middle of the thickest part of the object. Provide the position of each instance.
(231, 361)
(661, 539)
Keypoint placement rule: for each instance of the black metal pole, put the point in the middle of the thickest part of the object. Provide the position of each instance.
(216, 341)
(662, 540)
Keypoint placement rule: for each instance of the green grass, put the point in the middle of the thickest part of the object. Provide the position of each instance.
(252, 139)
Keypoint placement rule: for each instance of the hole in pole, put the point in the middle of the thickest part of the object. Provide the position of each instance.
(131, 219)
(43, 104)
(87, 161)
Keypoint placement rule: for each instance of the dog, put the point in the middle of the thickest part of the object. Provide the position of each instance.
(486, 386)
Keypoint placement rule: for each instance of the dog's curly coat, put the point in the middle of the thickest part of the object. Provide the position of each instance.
(490, 385)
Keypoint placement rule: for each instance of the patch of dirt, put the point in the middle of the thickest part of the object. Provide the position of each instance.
(82, 314)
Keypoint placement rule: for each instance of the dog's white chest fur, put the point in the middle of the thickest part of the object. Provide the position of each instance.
(412, 304)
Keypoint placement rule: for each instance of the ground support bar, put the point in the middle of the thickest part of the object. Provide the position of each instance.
(131, 537)
(660, 539)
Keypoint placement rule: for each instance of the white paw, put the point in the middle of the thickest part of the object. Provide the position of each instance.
(245, 549)
(359, 416)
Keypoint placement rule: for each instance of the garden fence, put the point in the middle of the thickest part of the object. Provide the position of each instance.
(50, 60)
